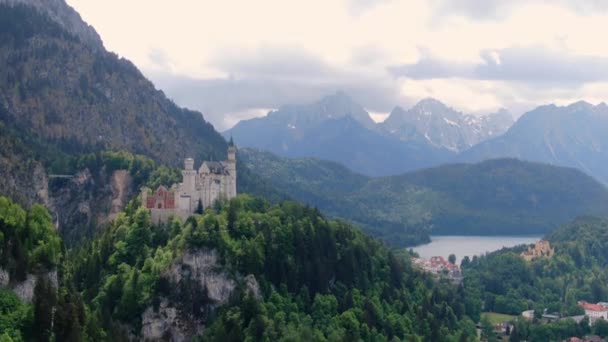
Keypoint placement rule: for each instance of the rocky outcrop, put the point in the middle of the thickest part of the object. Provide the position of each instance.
(4, 277)
(201, 273)
(165, 324)
(121, 185)
(252, 286)
(88, 201)
(203, 267)
(25, 289)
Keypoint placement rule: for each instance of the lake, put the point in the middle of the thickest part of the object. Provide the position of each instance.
(462, 246)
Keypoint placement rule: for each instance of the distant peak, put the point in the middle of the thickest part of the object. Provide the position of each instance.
(397, 109)
(429, 101)
(338, 96)
(580, 104)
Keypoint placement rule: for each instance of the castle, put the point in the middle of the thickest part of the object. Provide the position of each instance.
(542, 249)
(199, 188)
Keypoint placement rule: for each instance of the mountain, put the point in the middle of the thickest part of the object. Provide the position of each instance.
(338, 129)
(433, 122)
(65, 16)
(503, 196)
(62, 97)
(573, 136)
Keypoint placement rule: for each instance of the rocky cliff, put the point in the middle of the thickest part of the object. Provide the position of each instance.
(199, 285)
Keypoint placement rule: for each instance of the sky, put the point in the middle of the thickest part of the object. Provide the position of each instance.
(234, 60)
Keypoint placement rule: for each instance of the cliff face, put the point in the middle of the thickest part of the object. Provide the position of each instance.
(25, 289)
(87, 201)
(199, 284)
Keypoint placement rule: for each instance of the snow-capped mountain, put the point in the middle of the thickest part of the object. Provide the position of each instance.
(337, 129)
(432, 121)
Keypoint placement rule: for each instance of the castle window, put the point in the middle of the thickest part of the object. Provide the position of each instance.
(160, 206)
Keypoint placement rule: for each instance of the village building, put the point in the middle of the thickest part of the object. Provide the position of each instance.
(199, 189)
(528, 314)
(438, 265)
(542, 249)
(594, 311)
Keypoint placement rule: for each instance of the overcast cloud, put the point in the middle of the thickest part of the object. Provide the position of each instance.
(531, 65)
(238, 59)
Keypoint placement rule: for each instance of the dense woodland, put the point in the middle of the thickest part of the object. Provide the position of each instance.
(505, 283)
(319, 279)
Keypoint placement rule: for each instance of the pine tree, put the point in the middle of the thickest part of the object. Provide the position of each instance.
(45, 300)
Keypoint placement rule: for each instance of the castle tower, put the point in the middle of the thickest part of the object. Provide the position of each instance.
(144, 196)
(231, 168)
(189, 176)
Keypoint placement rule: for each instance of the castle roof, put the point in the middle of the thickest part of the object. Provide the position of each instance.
(216, 167)
(592, 307)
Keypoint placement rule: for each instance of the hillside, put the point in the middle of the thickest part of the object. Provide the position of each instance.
(573, 136)
(250, 271)
(63, 96)
(578, 270)
(57, 88)
(504, 196)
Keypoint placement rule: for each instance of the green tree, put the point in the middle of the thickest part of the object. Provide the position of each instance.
(487, 330)
(600, 328)
(45, 299)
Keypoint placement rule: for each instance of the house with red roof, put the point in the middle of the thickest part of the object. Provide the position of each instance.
(594, 311)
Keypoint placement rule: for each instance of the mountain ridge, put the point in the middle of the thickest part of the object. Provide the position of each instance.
(501, 196)
(403, 142)
(572, 135)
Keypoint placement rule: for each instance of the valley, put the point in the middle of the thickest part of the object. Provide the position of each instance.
(494, 197)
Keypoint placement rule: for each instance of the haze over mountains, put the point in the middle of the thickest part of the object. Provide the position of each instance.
(574, 135)
(430, 134)
(338, 129)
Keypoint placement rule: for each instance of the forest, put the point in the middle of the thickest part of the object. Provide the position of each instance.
(318, 279)
(506, 283)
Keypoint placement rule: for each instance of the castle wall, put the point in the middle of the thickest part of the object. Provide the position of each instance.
(204, 184)
(164, 215)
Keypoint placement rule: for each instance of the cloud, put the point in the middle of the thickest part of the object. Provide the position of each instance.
(160, 59)
(270, 61)
(530, 64)
(358, 7)
(270, 77)
(500, 9)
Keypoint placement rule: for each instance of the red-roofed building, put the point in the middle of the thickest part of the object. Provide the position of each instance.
(161, 199)
(594, 310)
(439, 265)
